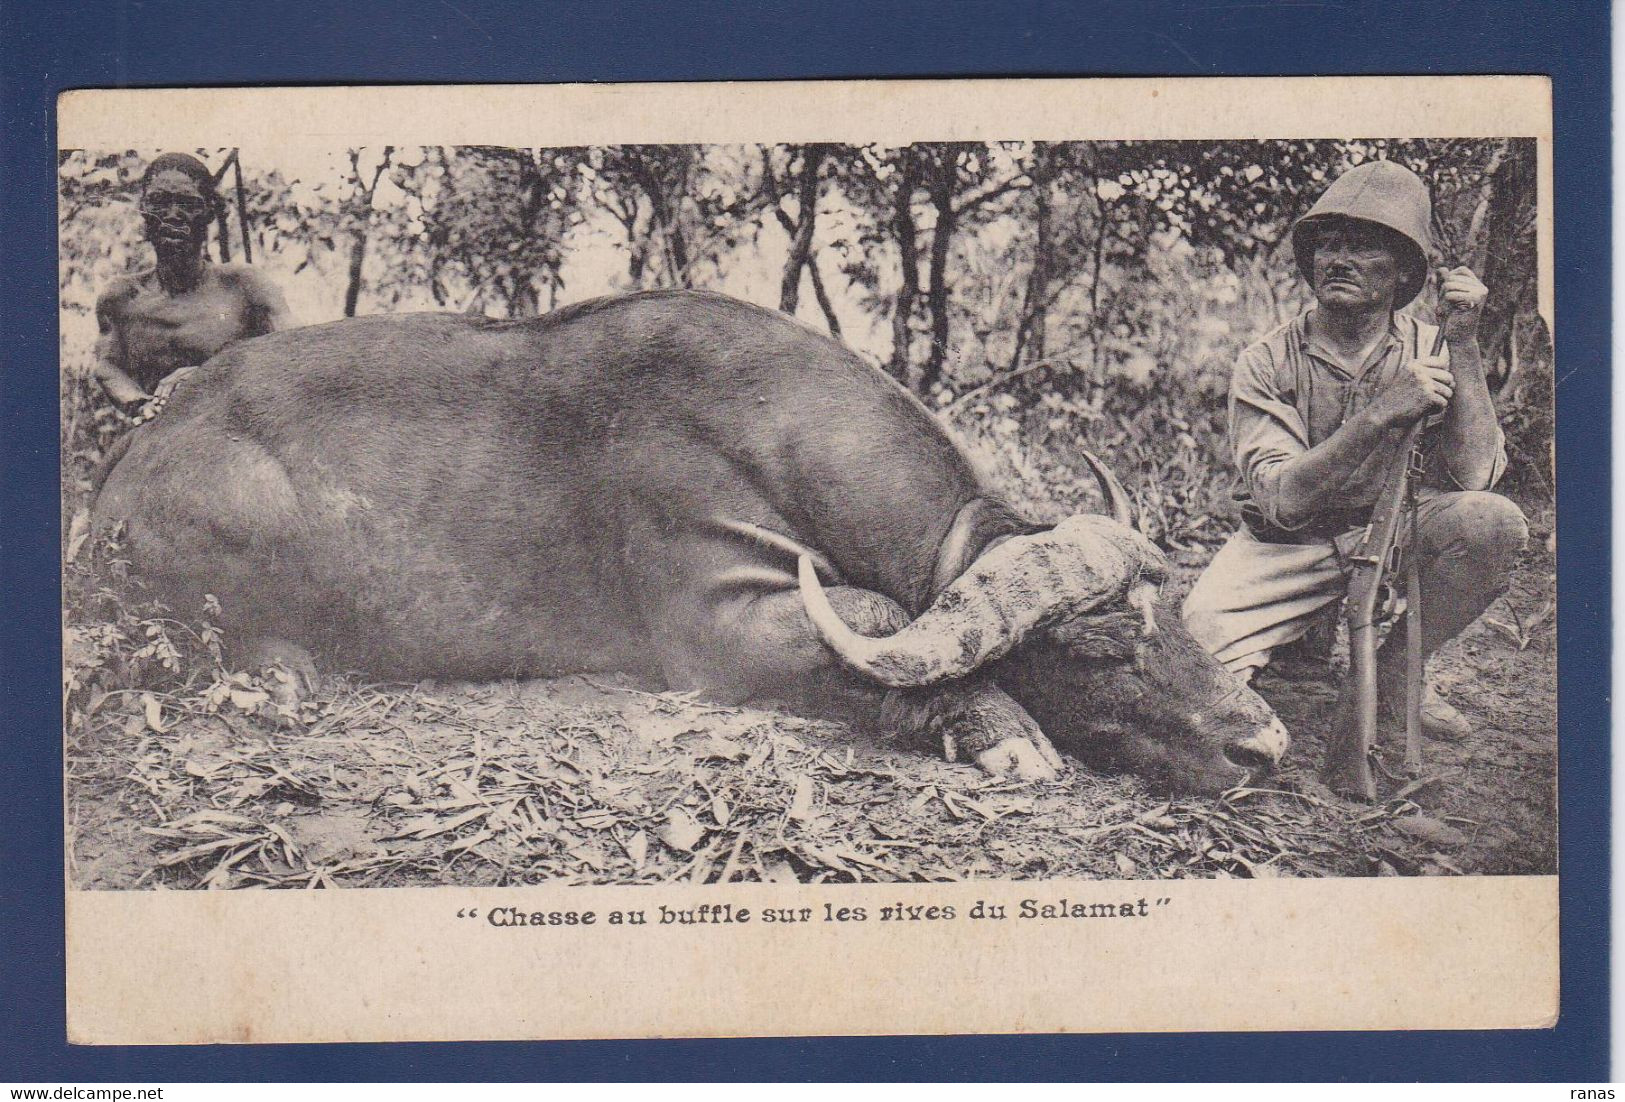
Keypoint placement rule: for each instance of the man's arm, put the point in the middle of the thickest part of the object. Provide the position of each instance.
(267, 309)
(110, 349)
(1319, 480)
(1469, 439)
(1291, 482)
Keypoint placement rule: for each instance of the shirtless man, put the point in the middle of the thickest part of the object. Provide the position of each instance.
(159, 322)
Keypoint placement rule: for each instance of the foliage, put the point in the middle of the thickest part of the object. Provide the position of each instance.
(494, 221)
(127, 653)
(1105, 288)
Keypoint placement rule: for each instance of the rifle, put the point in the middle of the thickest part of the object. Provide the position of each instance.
(1370, 599)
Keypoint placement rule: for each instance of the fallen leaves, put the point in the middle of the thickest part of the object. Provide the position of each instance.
(238, 848)
(486, 785)
(430, 825)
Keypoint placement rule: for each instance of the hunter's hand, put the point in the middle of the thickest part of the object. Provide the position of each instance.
(1423, 388)
(1461, 297)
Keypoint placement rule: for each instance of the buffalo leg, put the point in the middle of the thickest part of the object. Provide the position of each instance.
(763, 648)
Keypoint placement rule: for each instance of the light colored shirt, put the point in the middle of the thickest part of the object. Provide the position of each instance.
(1289, 393)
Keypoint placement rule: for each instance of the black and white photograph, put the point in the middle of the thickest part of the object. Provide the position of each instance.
(705, 514)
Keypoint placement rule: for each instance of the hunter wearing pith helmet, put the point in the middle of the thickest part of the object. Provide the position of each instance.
(1318, 409)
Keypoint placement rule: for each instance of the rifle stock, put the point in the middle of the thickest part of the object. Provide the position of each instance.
(1349, 767)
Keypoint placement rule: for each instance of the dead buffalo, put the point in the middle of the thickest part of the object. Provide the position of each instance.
(678, 485)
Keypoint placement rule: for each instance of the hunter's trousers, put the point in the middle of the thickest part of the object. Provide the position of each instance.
(1256, 596)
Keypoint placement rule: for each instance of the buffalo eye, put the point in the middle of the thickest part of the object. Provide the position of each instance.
(1114, 636)
(1099, 646)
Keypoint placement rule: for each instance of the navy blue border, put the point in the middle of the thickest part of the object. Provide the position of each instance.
(46, 47)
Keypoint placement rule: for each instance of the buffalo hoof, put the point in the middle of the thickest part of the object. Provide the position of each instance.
(1021, 758)
(290, 670)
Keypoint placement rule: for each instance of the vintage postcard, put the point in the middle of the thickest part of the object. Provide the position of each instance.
(808, 558)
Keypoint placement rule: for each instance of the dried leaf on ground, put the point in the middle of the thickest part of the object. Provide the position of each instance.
(637, 848)
(154, 713)
(801, 803)
(680, 831)
(430, 825)
(1431, 830)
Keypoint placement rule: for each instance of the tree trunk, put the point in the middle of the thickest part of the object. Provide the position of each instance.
(1031, 333)
(677, 247)
(1101, 216)
(801, 240)
(789, 290)
(223, 235)
(941, 189)
(637, 253)
(659, 222)
(671, 231)
(363, 224)
(358, 256)
(663, 194)
(524, 301)
(822, 296)
(1511, 187)
(909, 259)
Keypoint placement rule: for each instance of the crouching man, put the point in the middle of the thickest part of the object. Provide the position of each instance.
(1319, 408)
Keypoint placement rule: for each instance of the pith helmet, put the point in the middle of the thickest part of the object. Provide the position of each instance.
(1383, 192)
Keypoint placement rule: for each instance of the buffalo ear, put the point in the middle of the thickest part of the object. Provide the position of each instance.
(1144, 599)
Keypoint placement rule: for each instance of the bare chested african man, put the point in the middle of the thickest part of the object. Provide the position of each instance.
(177, 314)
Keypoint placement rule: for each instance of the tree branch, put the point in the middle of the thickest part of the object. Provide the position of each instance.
(975, 199)
(958, 404)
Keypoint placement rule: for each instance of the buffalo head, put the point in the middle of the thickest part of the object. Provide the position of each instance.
(1070, 622)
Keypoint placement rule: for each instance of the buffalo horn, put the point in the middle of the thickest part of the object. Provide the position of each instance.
(1122, 507)
(1024, 583)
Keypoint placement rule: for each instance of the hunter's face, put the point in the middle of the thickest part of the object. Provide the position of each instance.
(1356, 267)
(176, 210)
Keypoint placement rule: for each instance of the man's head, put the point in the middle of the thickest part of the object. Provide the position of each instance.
(1357, 265)
(178, 201)
(1365, 242)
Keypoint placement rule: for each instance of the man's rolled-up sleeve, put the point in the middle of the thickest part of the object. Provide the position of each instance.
(1266, 432)
(1499, 467)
